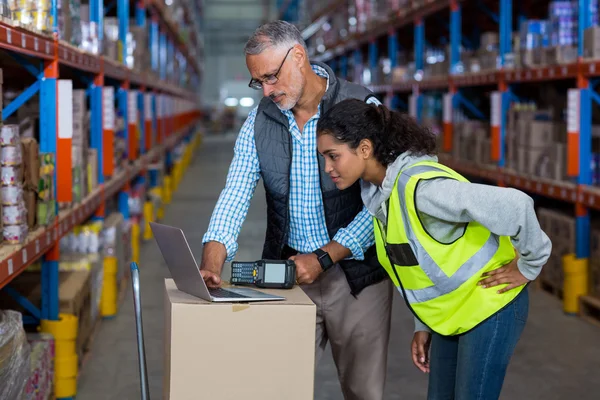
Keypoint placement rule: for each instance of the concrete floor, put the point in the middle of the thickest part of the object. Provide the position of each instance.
(558, 356)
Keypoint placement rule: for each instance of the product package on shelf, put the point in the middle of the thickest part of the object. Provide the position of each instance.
(46, 203)
(92, 170)
(536, 143)
(560, 228)
(14, 211)
(471, 142)
(15, 355)
(31, 173)
(112, 240)
(40, 383)
(31, 14)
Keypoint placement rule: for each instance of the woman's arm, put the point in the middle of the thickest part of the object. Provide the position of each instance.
(504, 211)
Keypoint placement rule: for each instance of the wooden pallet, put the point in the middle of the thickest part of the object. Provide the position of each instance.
(589, 309)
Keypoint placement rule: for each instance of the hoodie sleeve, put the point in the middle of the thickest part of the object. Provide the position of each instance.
(504, 211)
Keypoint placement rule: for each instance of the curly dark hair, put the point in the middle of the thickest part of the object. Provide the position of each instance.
(392, 133)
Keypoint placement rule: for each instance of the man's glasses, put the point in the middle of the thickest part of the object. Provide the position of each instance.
(257, 84)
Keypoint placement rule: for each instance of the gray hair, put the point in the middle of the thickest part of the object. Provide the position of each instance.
(274, 34)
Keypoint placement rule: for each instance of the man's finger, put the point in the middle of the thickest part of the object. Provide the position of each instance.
(490, 280)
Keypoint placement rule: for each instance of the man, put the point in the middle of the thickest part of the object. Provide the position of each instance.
(327, 232)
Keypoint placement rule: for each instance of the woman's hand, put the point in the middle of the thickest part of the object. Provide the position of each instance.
(508, 273)
(420, 350)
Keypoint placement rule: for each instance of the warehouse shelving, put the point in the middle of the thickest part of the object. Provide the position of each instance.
(158, 105)
(363, 48)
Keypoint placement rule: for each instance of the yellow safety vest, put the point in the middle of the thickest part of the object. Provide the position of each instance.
(438, 280)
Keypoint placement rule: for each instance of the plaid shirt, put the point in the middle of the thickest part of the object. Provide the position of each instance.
(307, 227)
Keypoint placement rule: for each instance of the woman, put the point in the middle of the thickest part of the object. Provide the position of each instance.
(447, 244)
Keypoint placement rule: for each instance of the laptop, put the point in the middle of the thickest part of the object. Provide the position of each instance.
(186, 274)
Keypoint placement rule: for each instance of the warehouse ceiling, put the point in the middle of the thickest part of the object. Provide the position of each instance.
(228, 23)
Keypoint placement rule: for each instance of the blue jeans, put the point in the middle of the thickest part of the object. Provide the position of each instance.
(472, 366)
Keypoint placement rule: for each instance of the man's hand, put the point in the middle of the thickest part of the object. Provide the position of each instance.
(212, 279)
(213, 257)
(308, 268)
(508, 273)
(420, 350)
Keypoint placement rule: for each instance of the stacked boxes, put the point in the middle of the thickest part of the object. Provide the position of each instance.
(31, 178)
(591, 42)
(560, 228)
(535, 145)
(46, 203)
(471, 142)
(14, 212)
(80, 145)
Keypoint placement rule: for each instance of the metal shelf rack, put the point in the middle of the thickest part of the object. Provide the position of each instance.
(366, 45)
(158, 106)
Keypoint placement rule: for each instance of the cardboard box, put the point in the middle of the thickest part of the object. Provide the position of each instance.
(267, 349)
(537, 134)
(30, 198)
(31, 162)
(591, 42)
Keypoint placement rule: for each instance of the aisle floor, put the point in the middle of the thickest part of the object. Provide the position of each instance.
(558, 356)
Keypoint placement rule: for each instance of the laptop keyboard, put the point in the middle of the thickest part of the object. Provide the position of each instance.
(222, 293)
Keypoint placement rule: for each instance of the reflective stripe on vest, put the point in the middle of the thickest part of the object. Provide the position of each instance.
(443, 283)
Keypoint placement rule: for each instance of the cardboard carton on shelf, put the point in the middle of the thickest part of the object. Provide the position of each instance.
(268, 349)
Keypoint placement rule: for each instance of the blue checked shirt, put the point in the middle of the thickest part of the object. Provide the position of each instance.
(307, 227)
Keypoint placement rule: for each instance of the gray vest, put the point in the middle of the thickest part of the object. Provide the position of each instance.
(274, 148)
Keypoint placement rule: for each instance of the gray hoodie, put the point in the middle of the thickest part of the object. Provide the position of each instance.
(446, 205)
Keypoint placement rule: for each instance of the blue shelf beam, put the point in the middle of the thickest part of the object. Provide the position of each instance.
(462, 100)
(162, 49)
(419, 44)
(584, 22)
(97, 13)
(37, 72)
(505, 29)
(154, 45)
(393, 49)
(21, 99)
(142, 121)
(455, 37)
(96, 128)
(24, 302)
(123, 16)
(488, 12)
(344, 66)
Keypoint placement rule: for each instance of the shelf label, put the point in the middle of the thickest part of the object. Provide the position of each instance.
(23, 41)
(148, 106)
(36, 44)
(65, 109)
(10, 267)
(573, 111)
(496, 111)
(24, 255)
(108, 108)
(8, 36)
(48, 240)
(448, 108)
(37, 247)
(132, 111)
